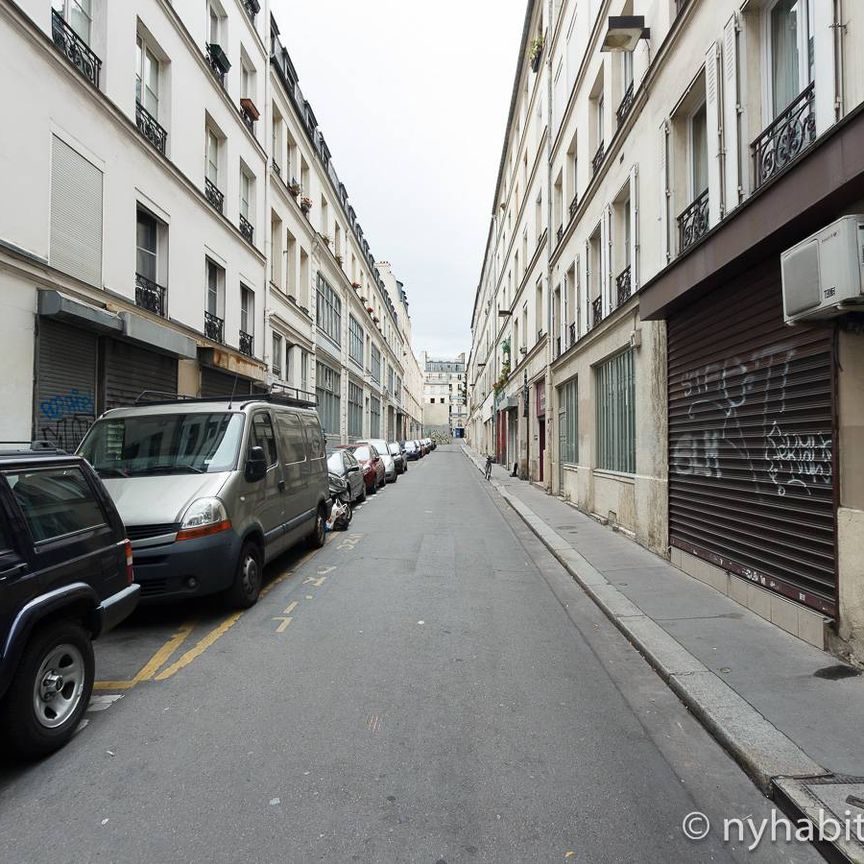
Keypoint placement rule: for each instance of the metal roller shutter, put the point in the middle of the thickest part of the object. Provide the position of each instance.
(215, 384)
(751, 431)
(130, 370)
(65, 404)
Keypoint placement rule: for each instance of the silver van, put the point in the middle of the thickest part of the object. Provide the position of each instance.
(211, 490)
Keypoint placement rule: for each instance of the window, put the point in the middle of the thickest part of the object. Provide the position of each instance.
(627, 61)
(374, 417)
(698, 152)
(329, 309)
(314, 438)
(262, 436)
(790, 28)
(247, 79)
(78, 14)
(276, 359)
(355, 410)
(327, 394)
(247, 310)
(212, 157)
(616, 414)
(304, 368)
(568, 422)
(146, 246)
(146, 78)
(355, 341)
(246, 189)
(375, 361)
(291, 438)
(215, 288)
(56, 502)
(215, 20)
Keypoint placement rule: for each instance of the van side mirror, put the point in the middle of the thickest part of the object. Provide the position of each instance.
(256, 465)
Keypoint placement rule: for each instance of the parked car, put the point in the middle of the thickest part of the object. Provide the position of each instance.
(342, 463)
(65, 578)
(412, 451)
(390, 472)
(371, 465)
(212, 490)
(398, 455)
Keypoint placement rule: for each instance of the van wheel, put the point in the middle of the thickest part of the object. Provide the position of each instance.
(319, 533)
(50, 690)
(248, 578)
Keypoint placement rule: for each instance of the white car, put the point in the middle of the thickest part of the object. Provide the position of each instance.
(380, 445)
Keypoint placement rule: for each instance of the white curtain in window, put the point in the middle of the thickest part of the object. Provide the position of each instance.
(785, 83)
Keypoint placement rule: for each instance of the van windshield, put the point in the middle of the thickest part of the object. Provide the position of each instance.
(163, 444)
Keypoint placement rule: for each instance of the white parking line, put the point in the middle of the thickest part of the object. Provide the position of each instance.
(103, 701)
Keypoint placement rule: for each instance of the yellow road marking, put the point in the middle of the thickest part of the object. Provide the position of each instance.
(164, 653)
(200, 648)
(114, 685)
(285, 621)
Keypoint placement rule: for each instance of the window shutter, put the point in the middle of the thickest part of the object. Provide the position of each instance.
(76, 214)
(824, 64)
(664, 193)
(634, 228)
(712, 128)
(731, 119)
(586, 305)
(606, 259)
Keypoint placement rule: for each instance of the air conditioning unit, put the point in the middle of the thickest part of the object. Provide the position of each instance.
(823, 276)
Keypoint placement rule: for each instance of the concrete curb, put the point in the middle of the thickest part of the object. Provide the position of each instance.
(762, 750)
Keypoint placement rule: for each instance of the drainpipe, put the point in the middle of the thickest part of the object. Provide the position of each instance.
(549, 100)
(268, 157)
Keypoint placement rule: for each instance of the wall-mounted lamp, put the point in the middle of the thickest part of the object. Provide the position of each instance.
(623, 32)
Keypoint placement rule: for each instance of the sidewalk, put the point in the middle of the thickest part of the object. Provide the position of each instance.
(757, 689)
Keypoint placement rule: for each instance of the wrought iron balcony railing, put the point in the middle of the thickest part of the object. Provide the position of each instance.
(75, 49)
(626, 105)
(559, 234)
(149, 295)
(786, 137)
(597, 159)
(252, 7)
(596, 311)
(574, 204)
(276, 168)
(557, 346)
(246, 229)
(214, 327)
(219, 64)
(214, 196)
(150, 128)
(248, 119)
(246, 343)
(693, 222)
(623, 285)
(571, 334)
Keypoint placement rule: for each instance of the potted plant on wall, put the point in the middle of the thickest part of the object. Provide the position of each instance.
(356, 287)
(326, 239)
(339, 260)
(294, 187)
(305, 204)
(535, 52)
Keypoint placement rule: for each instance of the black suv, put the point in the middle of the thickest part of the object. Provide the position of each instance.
(65, 577)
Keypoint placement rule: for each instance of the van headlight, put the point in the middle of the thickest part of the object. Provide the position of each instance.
(203, 517)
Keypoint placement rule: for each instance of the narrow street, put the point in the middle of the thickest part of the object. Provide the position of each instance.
(413, 692)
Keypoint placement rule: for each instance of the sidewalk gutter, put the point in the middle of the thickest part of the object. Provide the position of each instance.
(762, 750)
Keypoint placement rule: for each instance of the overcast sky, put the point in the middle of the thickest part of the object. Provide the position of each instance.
(412, 98)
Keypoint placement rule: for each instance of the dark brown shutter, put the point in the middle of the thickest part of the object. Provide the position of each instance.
(65, 403)
(131, 371)
(751, 431)
(216, 384)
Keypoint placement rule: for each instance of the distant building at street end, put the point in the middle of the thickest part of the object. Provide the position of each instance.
(445, 409)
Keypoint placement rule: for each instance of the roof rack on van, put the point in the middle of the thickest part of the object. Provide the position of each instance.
(280, 394)
(149, 396)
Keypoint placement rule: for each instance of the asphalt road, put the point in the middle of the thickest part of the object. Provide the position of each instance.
(413, 692)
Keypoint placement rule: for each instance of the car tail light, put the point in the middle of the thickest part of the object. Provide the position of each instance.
(130, 575)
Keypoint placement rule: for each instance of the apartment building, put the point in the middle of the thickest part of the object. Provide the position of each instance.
(155, 242)
(690, 145)
(445, 409)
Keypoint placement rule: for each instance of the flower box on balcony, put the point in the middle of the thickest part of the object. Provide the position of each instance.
(218, 57)
(369, 309)
(305, 204)
(326, 239)
(249, 107)
(339, 260)
(294, 188)
(355, 286)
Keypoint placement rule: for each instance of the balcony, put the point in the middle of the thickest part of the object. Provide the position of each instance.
(75, 49)
(571, 334)
(597, 159)
(623, 285)
(252, 7)
(276, 168)
(149, 128)
(249, 113)
(626, 105)
(574, 204)
(214, 327)
(693, 222)
(247, 230)
(150, 296)
(247, 343)
(596, 311)
(557, 346)
(786, 138)
(214, 196)
(218, 61)
(559, 234)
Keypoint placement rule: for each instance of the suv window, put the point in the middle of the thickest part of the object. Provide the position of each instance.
(5, 534)
(291, 435)
(263, 436)
(55, 501)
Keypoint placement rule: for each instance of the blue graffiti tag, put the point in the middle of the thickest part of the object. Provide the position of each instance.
(62, 405)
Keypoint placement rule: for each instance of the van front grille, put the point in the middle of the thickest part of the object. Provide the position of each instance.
(144, 532)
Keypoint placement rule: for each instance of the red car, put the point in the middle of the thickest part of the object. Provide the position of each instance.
(372, 466)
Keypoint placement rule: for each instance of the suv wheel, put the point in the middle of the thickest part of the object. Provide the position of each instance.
(50, 690)
(319, 533)
(249, 577)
